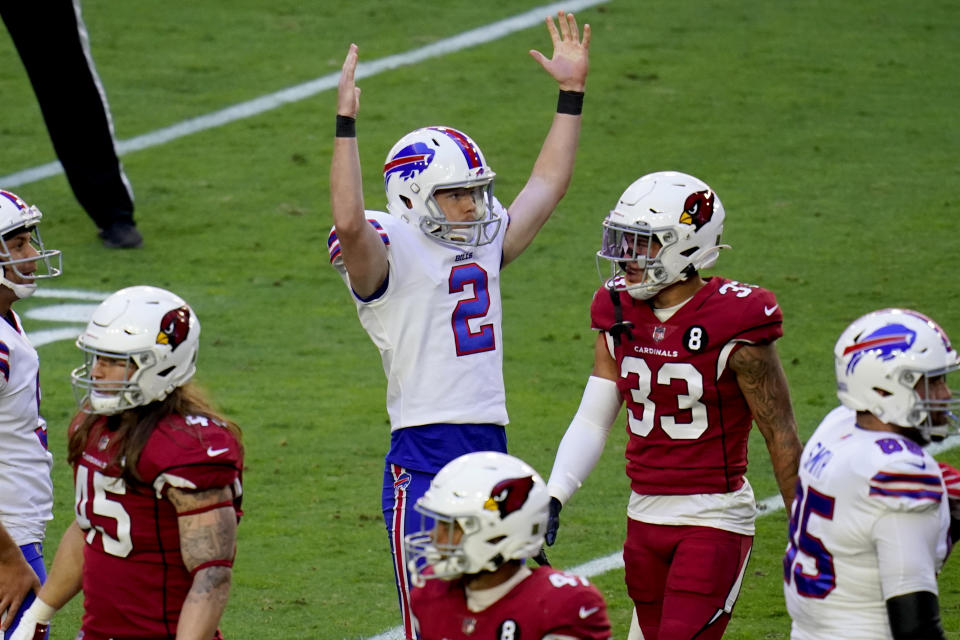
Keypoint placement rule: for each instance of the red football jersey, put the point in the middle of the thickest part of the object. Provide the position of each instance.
(687, 419)
(134, 579)
(547, 601)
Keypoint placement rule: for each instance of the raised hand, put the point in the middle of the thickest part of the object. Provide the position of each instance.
(570, 61)
(348, 93)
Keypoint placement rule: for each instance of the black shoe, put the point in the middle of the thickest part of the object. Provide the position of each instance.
(121, 235)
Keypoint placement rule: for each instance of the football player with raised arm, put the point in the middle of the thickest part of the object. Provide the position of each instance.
(157, 473)
(425, 277)
(694, 359)
(870, 521)
(26, 490)
(485, 514)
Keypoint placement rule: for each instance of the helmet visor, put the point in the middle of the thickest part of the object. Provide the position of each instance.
(106, 382)
(462, 214)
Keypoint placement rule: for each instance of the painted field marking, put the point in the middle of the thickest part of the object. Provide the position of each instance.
(75, 314)
(465, 40)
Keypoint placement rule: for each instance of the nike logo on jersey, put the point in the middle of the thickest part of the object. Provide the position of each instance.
(213, 453)
(769, 310)
(586, 613)
(921, 465)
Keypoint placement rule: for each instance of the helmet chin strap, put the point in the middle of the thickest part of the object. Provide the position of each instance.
(20, 290)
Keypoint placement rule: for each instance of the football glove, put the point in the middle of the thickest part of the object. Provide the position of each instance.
(35, 621)
(541, 558)
(553, 521)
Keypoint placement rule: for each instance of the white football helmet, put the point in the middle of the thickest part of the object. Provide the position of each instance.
(681, 213)
(500, 504)
(16, 216)
(883, 361)
(158, 335)
(433, 158)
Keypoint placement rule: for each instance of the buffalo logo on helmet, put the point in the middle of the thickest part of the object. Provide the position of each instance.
(409, 162)
(886, 342)
(698, 208)
(174, 327)
(509, 495)
(14, 198)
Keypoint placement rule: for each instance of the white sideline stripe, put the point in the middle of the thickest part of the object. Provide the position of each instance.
(481, 35)
(79, 313)
(47, 336)
(615, 560)
(70, 294)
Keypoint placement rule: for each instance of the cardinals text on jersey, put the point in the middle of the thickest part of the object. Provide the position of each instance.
(687, 419)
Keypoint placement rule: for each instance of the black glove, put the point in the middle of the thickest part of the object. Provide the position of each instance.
(541, 558)
(553, 521)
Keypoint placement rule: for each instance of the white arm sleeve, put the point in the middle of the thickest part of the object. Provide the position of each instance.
(907, 551)
(583, 442)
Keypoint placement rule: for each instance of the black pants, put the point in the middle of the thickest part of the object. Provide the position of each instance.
(49, 36)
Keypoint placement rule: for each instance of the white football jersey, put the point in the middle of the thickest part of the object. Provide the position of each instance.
(437, 324)
(859, 491)
(26, 490)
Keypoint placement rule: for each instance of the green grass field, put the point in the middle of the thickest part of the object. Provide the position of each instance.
(827, 128)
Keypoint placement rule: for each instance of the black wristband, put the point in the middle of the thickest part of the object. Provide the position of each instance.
(570, 102)
(346, 127)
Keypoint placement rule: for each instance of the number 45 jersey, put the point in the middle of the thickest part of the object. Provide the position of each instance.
(437, 324)
(869, 522)
(134, 578)
(687, 419)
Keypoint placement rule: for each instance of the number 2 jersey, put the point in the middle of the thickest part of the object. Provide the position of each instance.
(869, 522)
(437, 323)
(134, 579)
(546, 602)
(687, 419)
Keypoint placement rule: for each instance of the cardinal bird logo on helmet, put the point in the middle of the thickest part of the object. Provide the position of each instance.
(509, 495)
(174, 327)
(698, 209)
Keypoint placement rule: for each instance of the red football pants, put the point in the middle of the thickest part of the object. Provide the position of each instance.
(683, 580)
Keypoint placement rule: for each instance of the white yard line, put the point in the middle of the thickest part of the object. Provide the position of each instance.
(465, 40)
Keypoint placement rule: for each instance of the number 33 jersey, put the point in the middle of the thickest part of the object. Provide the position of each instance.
(134, 579)
(869, 522)
(545, 604)
(687, 419)
(437, 323)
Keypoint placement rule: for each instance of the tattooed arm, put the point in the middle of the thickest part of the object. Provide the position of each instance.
(764, 385)
(208, 536)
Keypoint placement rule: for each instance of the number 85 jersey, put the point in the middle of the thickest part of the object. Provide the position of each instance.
(869, 522)
(687, 419)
